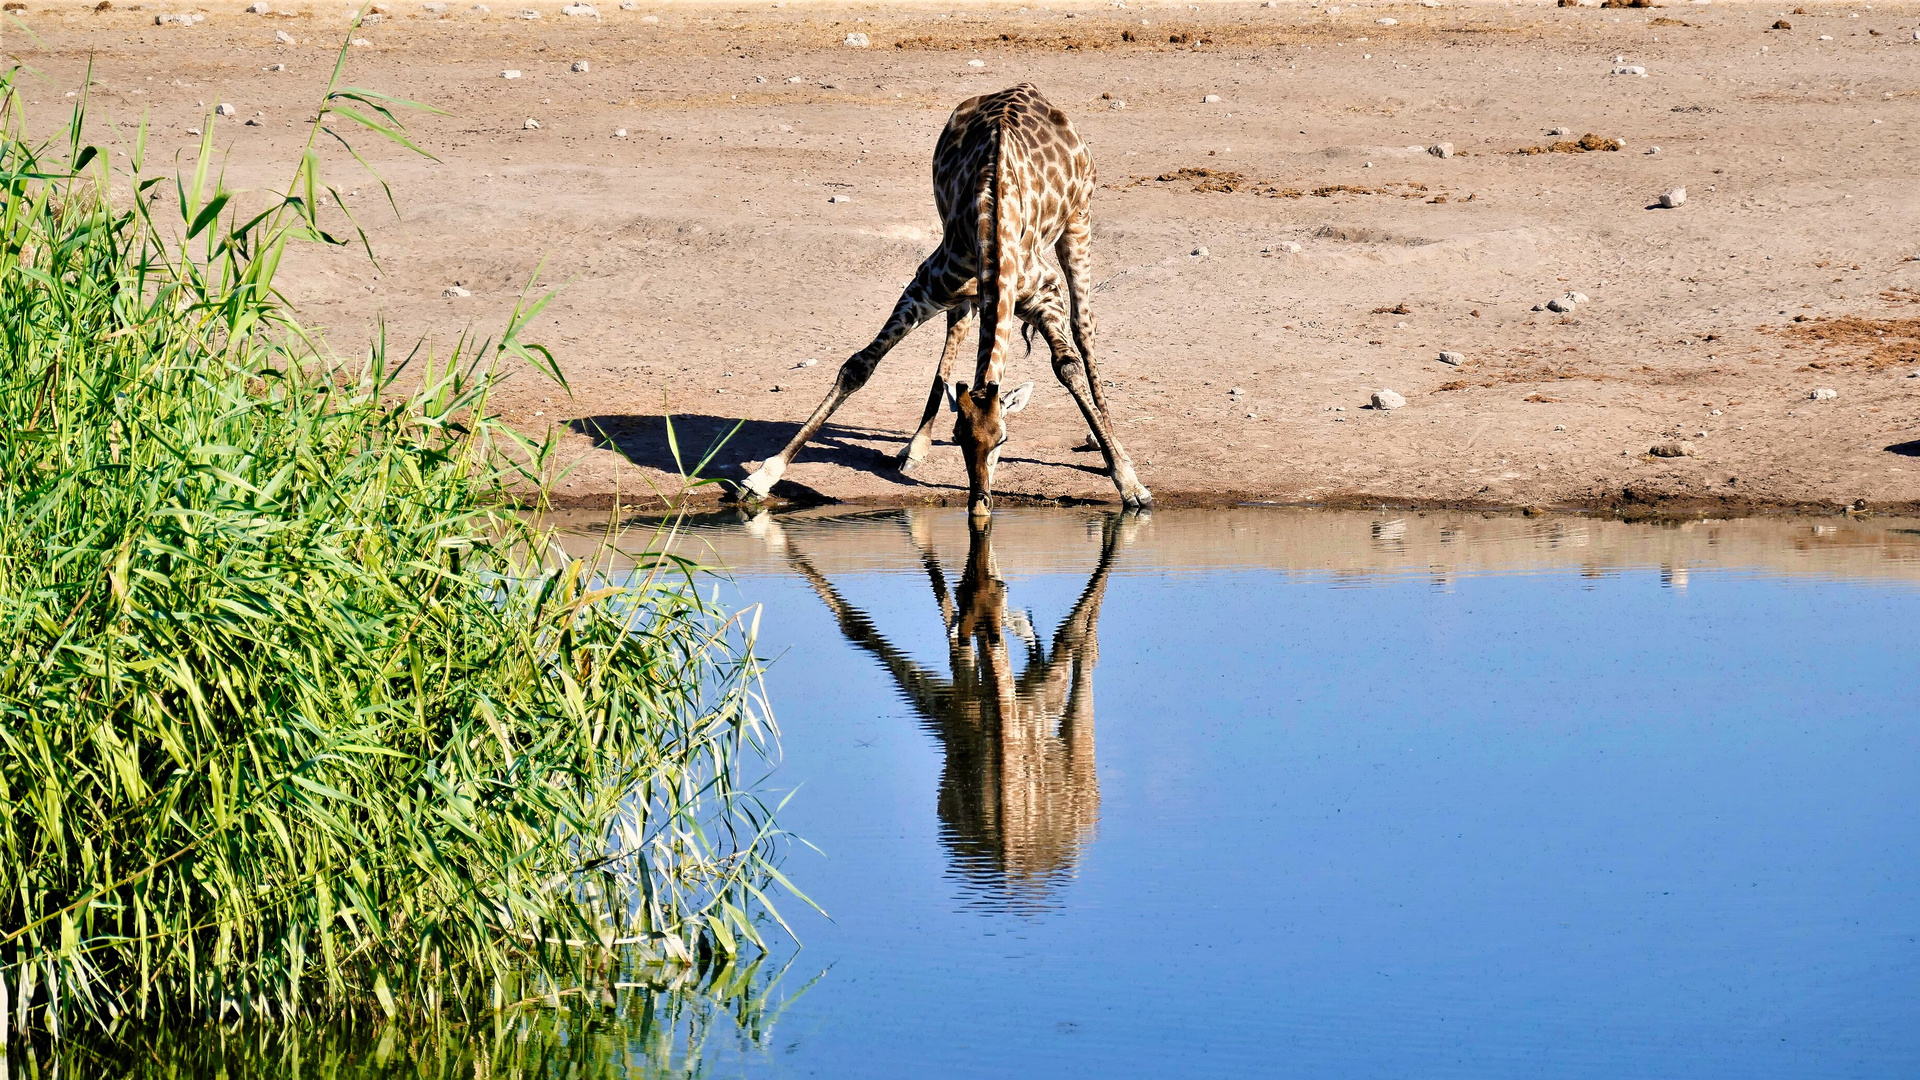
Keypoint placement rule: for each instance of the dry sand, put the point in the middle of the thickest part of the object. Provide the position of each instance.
(699, 259)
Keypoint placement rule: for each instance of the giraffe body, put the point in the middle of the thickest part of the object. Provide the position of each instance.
(1012, 181)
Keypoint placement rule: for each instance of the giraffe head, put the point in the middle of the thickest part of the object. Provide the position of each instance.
(980, 429)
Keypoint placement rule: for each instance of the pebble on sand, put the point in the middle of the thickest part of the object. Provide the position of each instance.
(1560, 304)
(1387, 22)
(839, 198)
(1287, 246)
(530, 125)
(584, 10)
(282, 37)
(1630, 69)
(1823, 394)
(1679, 449)
(1441, 149)
(619, 133)
(455, 291)
(1673, 197)
(1387, 399)
(976, 63)
(223, 109)
(1453, 359)
(261, 7)
(510, 73)
(274, 67)
(1210, 99)
(857, 41)
(582, 66)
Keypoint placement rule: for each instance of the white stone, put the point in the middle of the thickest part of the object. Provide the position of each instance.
(1577, 297)
(173, 20)
(839, 198)
(1673, 197)
(455, 291)
(1824, 394)
(796, 79)
(526, 13)
(1388, 22)
(282, 37)
(629, 5)
(372, 20)
(582, 10)
(1653, 149)
(1441, 150)
(806, 363)
(1561, 131)
(434, 8)
(1387, 399)
(1210, 99)
(1826, 37)
(649, 18)
(619, 133)
(274, 67)
(976, 63)
(1237, 391)
(530, 125)
(260, 7)
(1630, 69)
(1116, 104)
(1199, 252)
(1672, 449)
(582, 65)
(360, 41)
(510, 73)
(223, 109)
(1560, 304)
(857, 41)
(1453, 359)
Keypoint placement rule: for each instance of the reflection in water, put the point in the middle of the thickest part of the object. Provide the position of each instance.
(1018, 793)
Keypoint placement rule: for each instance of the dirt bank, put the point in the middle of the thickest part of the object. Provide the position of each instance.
(701, 261)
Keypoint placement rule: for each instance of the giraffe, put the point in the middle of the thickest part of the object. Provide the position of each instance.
(1010, 179)
(1019, 794)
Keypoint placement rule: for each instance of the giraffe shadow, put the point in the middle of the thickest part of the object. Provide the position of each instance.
(726, 441)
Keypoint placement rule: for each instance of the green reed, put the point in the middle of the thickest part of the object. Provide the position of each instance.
(297, 717)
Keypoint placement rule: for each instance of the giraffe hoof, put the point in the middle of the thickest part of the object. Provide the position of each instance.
(906, 461)
(759, 483)
(1139, 499)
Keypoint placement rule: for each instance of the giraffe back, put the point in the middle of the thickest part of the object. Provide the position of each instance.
(1049, 171)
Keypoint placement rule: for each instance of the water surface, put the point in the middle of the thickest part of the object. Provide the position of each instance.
(1282, 793)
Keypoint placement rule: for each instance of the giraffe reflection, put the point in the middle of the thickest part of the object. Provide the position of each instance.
(1018, 793)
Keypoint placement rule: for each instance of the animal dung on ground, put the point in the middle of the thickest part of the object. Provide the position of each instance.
(1387, 399)
(1823, 394)
(1585, 144)
(1679, 449)
(581, 66)
(1441, 149)
(1782, 24)
(1453, 359)
(1673, 197)
(857, 41)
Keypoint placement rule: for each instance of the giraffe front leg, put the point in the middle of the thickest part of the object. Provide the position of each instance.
(959, 322)
(921, 300)
(1072, 372)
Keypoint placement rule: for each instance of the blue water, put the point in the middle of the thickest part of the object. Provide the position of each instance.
(1364, 825)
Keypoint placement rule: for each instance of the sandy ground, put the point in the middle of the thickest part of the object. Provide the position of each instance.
(699, 260)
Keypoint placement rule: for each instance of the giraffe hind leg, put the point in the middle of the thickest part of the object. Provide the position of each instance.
(959, 322)
(1071, 370)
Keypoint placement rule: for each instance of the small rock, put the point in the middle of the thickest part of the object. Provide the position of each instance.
(455, 291)
(1387, 22)
(1539, 307)
(619, 133)
(274, 67)
(1441, 150)
(649, 18)
(1826, 37)
(857, 41)
(1560, 304)
(253, 121)
(1577, 297)
(282, 37)
(1453, 359)
(806, 363)
(976, 63)
(193, 131)
(1653, 149)
(1559, 427)
(1387, 399)
(372, 20)
(1210, 99)
(1782, 24)
(759, 78)
(173, 20)
(223, 109)
(795, 79)
(1672, 449)
(1629, 69)
(259, 7)
(1673, 197)
(629, 5)
(510, 73)
(1116, 104)
(1237, 391)
(582, 66)
(526, 13)
(775, 388)
(581, 10)
(434, 7)
(1286, 245)
(530, 125)
(360, 42)
(1561, 131)
(1824, 394)
(1199, 252)
(839, 198)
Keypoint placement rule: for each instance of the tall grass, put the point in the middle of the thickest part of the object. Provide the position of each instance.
(296, 718)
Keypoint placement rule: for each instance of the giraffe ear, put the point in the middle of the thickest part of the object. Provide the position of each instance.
(1016, 399)
(955, 391)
